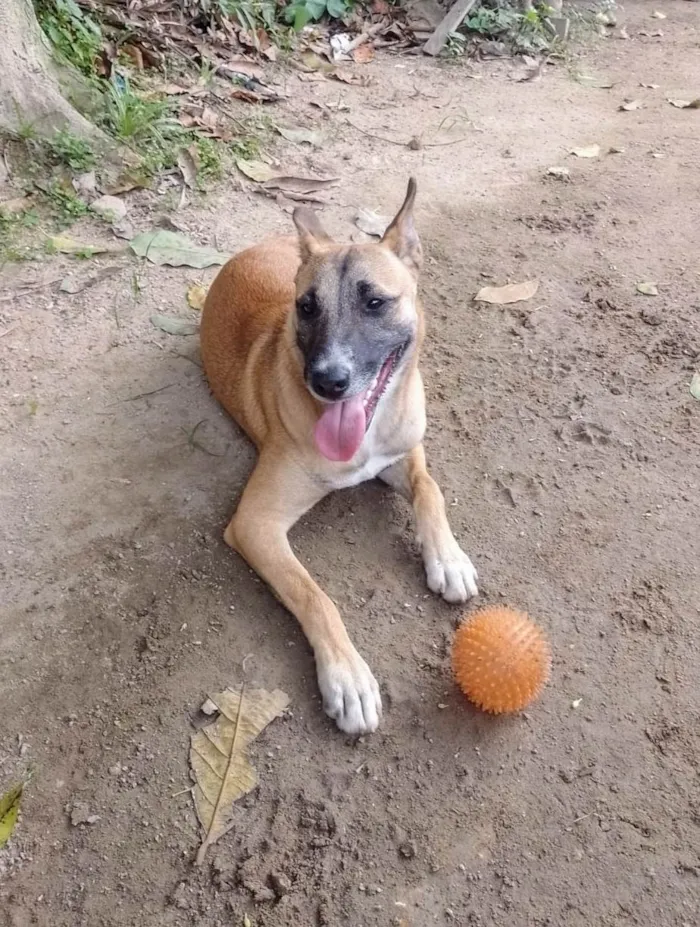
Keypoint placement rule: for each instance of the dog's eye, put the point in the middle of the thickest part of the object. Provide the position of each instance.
(307, 307)
(376, 304)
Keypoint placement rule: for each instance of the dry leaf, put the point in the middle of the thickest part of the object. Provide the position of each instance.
(163, 247)
(648, 289)
(631, 105)
(592, 151)
(188, 166)
(196, 294)
(299, 185)
(220, 767)
(9, 809)
(598, 83)
(300, 136)
(173, 326)
(78, 284)
(511, 293)
(371, 223)
(685, 104)
(348, 77)
(528, 74)
(65, 245)
(255, 170)
(363, 54)
(694, 392)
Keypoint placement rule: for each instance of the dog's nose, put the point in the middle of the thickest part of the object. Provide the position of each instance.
(330, 382)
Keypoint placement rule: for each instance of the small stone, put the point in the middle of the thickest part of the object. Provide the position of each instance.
(109, 208)
(408, 849)
(281, 883)
(81, 814)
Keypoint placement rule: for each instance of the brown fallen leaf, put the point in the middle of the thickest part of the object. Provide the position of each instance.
(242, 67)
(532, 73)
(299, 185)
(685, 104)
(196, 295)
(511, 293)
(363, 54)
(349, 77)
(630, 105)
(247, 96)
(300, 135)
(186, 161)
(219, 762)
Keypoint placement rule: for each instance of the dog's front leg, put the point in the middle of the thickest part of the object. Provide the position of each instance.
(449, 571)
(276, 496)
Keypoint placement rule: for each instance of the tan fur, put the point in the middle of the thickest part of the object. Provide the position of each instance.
(255, 370)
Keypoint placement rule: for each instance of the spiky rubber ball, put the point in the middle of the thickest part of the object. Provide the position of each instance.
(500, 659)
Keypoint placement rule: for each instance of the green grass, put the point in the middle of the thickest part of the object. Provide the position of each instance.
(76, 153)
(76, 37)
(64, 204)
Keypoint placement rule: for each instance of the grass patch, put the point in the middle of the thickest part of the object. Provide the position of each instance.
(64, 204)
(76, 37)
(76, 153)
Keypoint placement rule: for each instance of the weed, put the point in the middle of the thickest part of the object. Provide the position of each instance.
(75, 36)
(12, 241)
(251, 14)
(525, 31)
(209, 158)
(301, 12)
(72, 151)
(66, 207)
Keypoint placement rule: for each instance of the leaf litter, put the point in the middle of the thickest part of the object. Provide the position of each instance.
(219, 763)
(174, 326)
(647, 289)
(300, 136)
(510, 293)
(163, 247)
(694, 392)
(196, 295)
(9, 811)
(591, 151)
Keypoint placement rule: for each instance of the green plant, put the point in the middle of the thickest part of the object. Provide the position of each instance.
(76, 37)
(72, 151)
(12, 243)
(301, 12)
(65, 205)
(251, 14)
(209, 158)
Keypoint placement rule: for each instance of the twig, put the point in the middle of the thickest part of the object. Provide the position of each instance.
(451, 21)
(366, 36)
(27, 288)
(381, 138)
(151, 392)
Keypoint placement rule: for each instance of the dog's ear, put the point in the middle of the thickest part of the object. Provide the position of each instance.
(313, 238)
(402, 237)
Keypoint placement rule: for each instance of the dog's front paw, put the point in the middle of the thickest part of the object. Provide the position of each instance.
(350, 692)
(450, 573)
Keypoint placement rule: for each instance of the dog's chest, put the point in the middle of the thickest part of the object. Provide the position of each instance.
(390, 437)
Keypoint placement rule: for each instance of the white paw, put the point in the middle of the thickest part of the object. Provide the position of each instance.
(350, 693)
(450, 573)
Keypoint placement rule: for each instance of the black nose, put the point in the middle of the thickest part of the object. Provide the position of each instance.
(330, 382)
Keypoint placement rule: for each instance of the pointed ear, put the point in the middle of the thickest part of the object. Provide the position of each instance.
(401, 236)
(312, 236)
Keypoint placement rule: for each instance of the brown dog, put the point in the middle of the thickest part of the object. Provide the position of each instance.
(312, 346)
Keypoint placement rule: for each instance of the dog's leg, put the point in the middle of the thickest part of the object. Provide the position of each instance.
(276, 496)
(448, 569)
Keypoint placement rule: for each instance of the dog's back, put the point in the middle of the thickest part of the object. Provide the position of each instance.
(245, 310)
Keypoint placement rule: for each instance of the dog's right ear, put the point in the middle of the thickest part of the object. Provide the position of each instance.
(313, 239)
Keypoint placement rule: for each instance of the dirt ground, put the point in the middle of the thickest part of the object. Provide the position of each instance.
(566, 440)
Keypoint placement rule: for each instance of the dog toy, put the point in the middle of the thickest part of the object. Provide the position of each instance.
(500, 659)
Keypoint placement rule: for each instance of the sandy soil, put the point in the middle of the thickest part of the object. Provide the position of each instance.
(566, 440)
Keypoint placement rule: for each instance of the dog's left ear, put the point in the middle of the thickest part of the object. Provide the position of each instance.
(313, 238)
(402, 237)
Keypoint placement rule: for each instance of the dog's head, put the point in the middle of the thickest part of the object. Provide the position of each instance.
(356, 321)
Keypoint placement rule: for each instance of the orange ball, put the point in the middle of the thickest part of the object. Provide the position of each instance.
(500, 659)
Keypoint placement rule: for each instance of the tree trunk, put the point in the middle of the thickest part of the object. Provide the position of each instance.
(30, 94)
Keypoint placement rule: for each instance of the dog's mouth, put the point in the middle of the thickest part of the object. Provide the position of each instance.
(342, 425)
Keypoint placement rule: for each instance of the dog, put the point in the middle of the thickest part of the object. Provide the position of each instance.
(312, 346)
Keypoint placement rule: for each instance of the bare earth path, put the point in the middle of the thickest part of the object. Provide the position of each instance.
(566, 441)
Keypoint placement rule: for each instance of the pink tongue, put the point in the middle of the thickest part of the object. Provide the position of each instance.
(341, 428)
